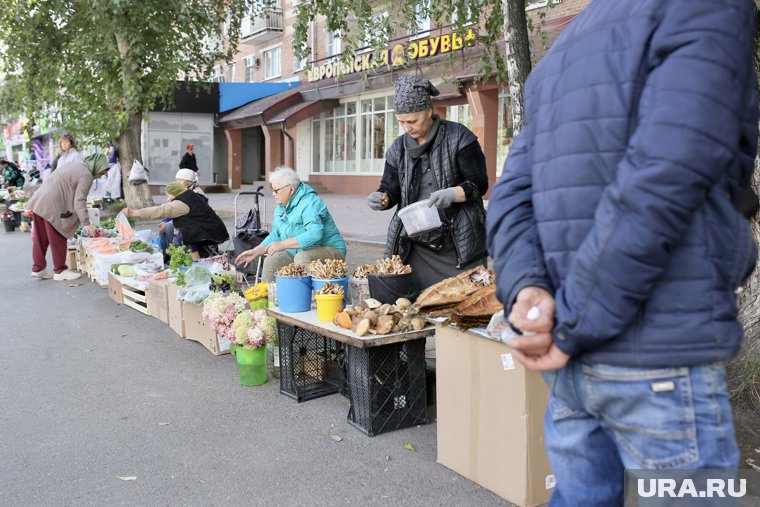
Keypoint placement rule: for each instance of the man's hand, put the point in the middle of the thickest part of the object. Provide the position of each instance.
(131, 212)
(162, 226)
(554, 359)
(377, 201)
(90, 230)
(442, 198)
(537, 338)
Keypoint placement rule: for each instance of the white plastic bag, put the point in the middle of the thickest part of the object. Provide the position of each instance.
(138, 174)
(113, 181)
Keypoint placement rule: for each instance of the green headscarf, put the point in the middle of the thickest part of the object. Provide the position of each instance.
(97, 163)
(174, 188)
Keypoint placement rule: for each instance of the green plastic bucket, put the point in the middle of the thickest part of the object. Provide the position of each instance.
(252, 365)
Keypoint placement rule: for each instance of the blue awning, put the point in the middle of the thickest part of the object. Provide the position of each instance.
(232, 95)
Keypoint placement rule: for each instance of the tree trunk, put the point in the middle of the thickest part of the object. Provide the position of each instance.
(743, 370)
(518, 58)
(128, 143)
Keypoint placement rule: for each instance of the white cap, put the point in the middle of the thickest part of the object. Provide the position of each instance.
(185, 174)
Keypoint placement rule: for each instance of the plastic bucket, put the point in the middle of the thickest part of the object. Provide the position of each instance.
(418, 217)
(294, 294)
(9, 224)
(328, 306)
(252, 365)
(388, 288)
(316, 283)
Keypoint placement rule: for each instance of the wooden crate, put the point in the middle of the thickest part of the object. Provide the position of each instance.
(134, 298)
(115, 289)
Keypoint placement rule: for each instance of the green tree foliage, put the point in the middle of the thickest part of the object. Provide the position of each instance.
(96, 65)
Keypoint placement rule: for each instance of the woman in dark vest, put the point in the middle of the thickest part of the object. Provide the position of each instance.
(201, 227)
(440, 161)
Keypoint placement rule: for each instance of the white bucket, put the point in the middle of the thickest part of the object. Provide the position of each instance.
(418, 217)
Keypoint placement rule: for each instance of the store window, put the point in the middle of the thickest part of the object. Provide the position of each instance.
(272, 63)
(298, 64)
(217, 76)
(166, 135)
(354, 137)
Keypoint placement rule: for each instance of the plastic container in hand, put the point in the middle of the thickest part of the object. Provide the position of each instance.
(418, 217)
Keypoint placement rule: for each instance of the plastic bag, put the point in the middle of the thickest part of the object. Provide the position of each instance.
(195, 294)
(499, 329)
(197, 275)
(358, 290)
(113, 181)
(138, 174)
(123, 228)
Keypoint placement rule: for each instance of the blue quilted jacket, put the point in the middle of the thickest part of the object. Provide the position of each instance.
(619, 194)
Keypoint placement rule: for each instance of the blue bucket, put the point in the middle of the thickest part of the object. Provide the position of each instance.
(294, 293)
(316, 283)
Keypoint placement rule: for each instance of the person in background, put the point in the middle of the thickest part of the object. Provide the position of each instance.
(441, 161)
(166, 231)
(188, 160)
(616, 216)
(201, 227)
(58, 207)
(302, 230)
(12, 176)
(68, 152)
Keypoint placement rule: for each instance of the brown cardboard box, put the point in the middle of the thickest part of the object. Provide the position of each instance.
(490, 417)
(158, 299)
(176, 321)
(114, 289)
(198, 329)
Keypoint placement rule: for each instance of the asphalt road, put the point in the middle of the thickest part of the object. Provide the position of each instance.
(91, 391)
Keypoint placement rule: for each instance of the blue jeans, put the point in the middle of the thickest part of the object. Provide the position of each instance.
(602, 420)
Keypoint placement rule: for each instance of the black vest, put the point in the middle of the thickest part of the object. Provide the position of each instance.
(201, 223)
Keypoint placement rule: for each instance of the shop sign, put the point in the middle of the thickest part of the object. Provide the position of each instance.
(396, 56)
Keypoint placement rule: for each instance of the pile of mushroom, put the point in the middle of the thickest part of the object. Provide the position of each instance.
(373, 317)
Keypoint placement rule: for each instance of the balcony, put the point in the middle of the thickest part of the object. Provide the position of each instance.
(262, 28)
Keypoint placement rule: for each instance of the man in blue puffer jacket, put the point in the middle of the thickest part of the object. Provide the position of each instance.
(616, 217)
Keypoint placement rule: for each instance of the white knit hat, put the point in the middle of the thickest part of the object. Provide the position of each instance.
(185, 174)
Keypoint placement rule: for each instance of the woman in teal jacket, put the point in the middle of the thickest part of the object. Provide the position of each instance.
(302, 231)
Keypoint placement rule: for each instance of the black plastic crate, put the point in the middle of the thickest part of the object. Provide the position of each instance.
(308, 364)
(386, 386)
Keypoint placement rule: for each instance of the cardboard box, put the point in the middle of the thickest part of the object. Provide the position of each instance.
(158, 300)
(176, 321)
(198, 329)
(114, 289)
(490, 417)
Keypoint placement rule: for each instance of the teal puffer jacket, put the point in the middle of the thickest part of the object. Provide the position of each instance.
(307, 219)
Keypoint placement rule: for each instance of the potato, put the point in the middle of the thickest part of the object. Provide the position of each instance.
(384, 324)
(362, 327)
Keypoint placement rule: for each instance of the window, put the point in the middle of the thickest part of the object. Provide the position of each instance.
(295, 2)
(354, 137)
(377, 22)
(231, 73)
(272, 68)
(251, 64)
(298, 64)
(333, 44)
(540, 3)
(467, 12)
(422, 19)
(217, 76)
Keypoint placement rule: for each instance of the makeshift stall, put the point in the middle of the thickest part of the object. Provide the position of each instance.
(385, 374)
